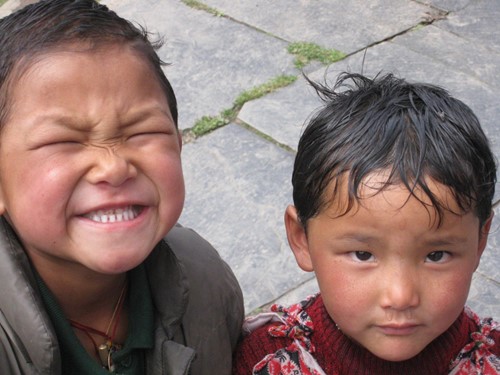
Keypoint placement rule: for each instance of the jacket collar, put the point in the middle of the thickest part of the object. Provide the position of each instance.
(169, 286)
(27, 319)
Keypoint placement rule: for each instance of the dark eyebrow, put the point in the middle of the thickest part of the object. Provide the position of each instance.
(451, 240)
(357, 237)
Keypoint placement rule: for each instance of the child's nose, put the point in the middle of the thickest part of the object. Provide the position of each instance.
(110, 167)
(400, 289)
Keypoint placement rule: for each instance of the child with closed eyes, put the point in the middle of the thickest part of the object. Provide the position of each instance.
(393, 185)
(96, 275)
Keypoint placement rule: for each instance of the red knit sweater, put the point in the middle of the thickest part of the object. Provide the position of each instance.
(338, 355)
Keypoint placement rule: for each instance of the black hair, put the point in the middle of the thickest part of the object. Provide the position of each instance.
(414, 131)
(50, 25)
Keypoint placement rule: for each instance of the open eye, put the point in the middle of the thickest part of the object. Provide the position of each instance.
(362, 256)
(438, 257)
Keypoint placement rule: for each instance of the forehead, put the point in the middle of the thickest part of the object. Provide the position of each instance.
(71, 62)
(380, 187)
(88, 86)
(26, 65)
(387, 212)
(127, 52)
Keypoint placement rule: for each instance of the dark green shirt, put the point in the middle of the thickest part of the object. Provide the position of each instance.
(130, 359)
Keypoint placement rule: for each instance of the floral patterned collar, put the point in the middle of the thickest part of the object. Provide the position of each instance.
(297, 358)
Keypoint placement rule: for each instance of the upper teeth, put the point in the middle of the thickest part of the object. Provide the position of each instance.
(114, 215)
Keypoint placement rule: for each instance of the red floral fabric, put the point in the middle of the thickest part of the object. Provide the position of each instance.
(476, 357)
(297, 358)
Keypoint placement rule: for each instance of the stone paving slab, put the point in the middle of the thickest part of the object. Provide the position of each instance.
(477, 22)
(12, 5)
(238, 186)
(213, 59)
(449, 5)
(347, 26)
(472, 58)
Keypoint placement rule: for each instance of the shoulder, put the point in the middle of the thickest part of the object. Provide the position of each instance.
(275, 334)
(486, 330)
(201, 263)
(255, 346)
(186, 262)
(190, 277)
(481, 354)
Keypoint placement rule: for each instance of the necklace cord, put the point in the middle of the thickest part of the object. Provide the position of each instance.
(109, 345)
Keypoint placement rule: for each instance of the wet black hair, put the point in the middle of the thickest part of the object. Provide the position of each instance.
(51, 25)
(413, 131)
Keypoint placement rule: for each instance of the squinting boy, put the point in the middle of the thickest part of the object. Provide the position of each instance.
(90, 183)
(393, 185)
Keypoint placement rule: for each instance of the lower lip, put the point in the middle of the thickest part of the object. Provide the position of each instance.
(398, 331)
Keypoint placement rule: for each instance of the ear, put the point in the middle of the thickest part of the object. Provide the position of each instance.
(297, 239)
(483, 237)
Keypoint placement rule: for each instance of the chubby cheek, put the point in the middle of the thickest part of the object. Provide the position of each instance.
(345, 297)
(170, 181)
(448, 296)
(41, 197)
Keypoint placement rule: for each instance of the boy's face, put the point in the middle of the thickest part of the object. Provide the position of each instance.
(390, 278)
(90, 169)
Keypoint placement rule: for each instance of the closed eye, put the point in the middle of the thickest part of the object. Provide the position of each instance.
(57, 143)
(152, 133)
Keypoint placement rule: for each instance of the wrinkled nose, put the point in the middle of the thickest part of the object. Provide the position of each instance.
(400, 290)
(109, 167)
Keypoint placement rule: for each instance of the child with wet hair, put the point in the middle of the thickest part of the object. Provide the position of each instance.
(96, 276)
(393, 185)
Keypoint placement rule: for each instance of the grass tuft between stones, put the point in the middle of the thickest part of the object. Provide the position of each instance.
(195, 4)
(305, 52)
(209, 123)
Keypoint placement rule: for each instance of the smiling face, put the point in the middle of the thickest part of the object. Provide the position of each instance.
(390, 278)
(90, 169)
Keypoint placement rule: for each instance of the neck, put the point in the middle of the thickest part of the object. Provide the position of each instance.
(80, 291)
(100, 343)
(88, 298)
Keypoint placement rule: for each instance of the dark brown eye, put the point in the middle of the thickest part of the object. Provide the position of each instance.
(437, 256)
(363, 255)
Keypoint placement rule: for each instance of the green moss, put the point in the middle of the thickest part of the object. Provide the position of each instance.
(208, 123)
(418, 27)
(195, 4)
(265, 88)
(305, 52)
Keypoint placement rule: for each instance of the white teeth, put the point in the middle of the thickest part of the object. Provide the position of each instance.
(114, 215)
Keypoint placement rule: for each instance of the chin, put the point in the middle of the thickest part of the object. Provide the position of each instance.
(397, 355)
(119, 263)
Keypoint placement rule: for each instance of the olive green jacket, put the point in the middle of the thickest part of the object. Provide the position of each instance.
(198, 310)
